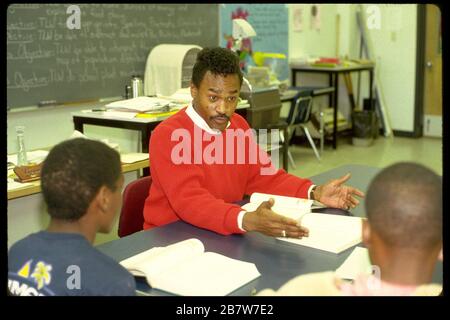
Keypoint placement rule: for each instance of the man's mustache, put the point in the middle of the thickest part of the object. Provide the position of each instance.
(221, 116)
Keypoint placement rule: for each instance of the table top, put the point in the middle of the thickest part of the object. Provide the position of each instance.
(105, 116)
(276, 260)
(332, 69)
(291, 93)
(35, 186)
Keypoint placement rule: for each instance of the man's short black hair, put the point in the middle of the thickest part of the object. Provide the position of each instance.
(73, 173)
(217, 60)
(404, 206)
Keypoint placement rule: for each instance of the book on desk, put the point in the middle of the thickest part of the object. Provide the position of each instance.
(184, 268)
(328, 232)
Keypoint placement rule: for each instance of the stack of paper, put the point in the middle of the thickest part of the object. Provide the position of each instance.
(13, 185)
(36, 157)
(139, 104)
(133, 157)
(182, 95)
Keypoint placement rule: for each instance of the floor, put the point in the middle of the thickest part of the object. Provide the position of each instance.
(384, 151)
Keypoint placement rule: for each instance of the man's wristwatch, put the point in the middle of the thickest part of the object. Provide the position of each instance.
(311, 193)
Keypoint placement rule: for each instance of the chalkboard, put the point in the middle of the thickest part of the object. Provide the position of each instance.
(47, 60)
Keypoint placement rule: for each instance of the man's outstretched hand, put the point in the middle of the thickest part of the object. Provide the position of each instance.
(337, 195)
(264, 220)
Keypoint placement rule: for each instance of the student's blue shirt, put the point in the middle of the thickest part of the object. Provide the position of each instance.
(64, 264)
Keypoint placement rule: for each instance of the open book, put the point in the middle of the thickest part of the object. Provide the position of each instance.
(184, 268)
(328, 232)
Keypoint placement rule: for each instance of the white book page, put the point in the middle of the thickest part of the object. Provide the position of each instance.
(289, 212)
(154, 261)
(209, 274)
(333, 233)
(283, 201)
(357, 263)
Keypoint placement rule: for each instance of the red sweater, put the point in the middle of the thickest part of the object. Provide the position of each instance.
(202, 194)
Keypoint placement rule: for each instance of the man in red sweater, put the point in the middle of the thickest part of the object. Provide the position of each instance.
(198, 169)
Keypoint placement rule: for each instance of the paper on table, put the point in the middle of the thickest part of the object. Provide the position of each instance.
(13, 185)
(357, 263)
(120, 114)
(133, 157)
(36, 156)
(329, 232)
(182, 95)
(139, 104)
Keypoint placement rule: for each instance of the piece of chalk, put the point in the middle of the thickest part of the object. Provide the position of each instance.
(47, 103)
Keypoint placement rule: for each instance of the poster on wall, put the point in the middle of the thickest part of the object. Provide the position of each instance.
(270, 22)
(297, 18)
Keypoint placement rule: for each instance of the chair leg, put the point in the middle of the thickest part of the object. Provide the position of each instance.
(311, 142)
(322, 132)
(291, 159)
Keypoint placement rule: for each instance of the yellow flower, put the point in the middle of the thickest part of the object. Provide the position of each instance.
(41, 274)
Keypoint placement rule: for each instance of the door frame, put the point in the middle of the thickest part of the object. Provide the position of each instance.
(420, 70)
(420, 77)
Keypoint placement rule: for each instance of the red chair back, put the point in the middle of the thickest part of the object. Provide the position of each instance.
(132, 216)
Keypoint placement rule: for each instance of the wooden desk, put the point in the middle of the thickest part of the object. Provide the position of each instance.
(333, 79)
(35, 186)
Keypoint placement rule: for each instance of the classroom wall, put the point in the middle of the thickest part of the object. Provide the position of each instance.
(394, 46)
(312, 43)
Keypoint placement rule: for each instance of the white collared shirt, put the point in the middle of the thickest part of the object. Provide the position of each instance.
(200, 122)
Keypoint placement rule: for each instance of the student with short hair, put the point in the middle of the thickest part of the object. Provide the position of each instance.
(403, 234)
(81, 182)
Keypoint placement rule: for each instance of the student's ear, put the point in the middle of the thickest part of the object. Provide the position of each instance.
(194, 90)
(103, 198)
(366, 233)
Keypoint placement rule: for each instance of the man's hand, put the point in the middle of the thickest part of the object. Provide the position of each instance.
(266, 221)
(336, 195)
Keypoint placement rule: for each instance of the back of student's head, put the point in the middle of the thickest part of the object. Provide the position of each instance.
(218, 61)
(73, 173)
(404, 206)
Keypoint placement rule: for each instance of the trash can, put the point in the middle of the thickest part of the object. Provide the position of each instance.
(369, 105)
(364, 127)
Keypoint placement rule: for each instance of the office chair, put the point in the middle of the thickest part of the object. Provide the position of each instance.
(264, 113)
(298, 117)
(131, 216)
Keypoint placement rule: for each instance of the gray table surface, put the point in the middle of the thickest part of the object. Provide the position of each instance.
(276, 260)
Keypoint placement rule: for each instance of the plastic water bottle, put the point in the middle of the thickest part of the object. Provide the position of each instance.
(21, 152)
